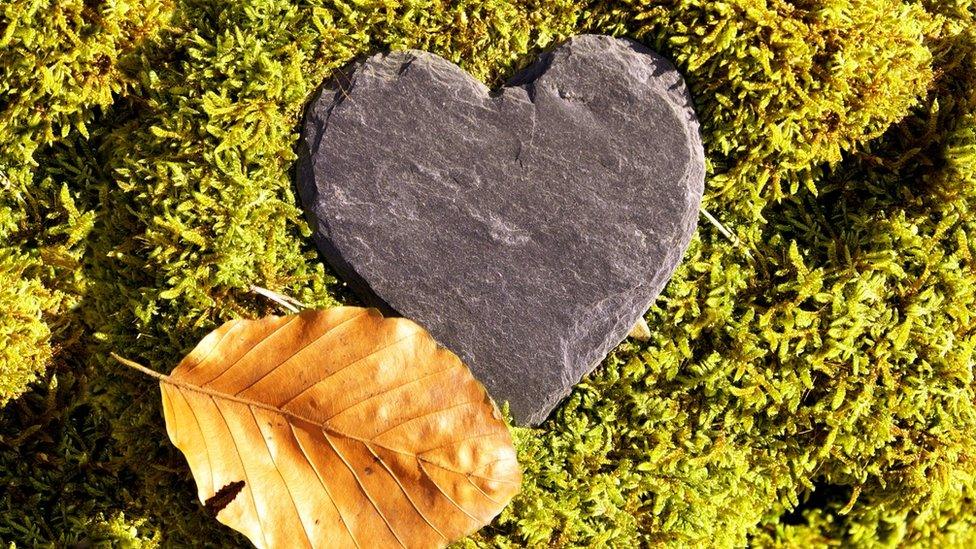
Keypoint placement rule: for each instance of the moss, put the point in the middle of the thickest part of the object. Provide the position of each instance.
(784, 88)
(24, 336)
(61, 59)
(116, 531)
(813, 386)
(59, 63)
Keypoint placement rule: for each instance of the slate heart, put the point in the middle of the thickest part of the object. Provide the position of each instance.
(527, 229)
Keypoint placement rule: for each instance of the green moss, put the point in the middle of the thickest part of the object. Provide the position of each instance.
(811, 387)
(116, 531)
(24, 336)
(59, 60)
(784, 88)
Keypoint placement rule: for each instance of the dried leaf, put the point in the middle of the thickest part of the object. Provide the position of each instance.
(346, 429)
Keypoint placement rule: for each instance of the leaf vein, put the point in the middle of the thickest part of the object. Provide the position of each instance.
(216, 345)
(362, 488)
(337, 432)
(469, 476)
(387, 391)
(464, 474)
(213, 482)
(421, 416)
(247, 480)
(293, 355)
(358, 360)
(441, 490)
(404, 490)
(250, 350)
(298, 513)
(318, 475)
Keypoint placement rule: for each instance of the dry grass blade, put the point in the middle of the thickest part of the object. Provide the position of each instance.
(346, 429)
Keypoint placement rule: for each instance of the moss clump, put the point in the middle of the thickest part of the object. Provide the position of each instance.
(24, 336)
(812, 386)
(785, 88)
(59, 60)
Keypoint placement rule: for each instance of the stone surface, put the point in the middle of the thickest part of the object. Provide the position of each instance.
(528, 229)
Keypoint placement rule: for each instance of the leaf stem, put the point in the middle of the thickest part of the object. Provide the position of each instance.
(140, 367)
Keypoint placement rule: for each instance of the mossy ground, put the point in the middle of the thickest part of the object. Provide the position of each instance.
(812, 386)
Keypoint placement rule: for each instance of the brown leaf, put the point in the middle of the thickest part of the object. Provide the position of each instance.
(347, 429)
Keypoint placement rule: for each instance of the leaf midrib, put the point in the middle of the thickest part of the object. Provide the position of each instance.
(332, 430)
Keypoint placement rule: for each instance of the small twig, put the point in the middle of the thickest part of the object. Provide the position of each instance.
(721, 228)
(725, 232)
(140, 367)
(288, 303)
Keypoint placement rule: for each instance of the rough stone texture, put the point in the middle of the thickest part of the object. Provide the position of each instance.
(527, 229)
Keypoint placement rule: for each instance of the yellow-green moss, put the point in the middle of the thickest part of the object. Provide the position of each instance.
(60, 59)
(811, 387)
(25, 345)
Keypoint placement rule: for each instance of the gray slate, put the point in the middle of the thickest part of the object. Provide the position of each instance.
(527, 229)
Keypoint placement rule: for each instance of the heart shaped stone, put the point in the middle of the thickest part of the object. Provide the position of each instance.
(527, 229)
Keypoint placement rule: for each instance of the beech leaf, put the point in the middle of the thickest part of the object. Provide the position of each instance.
(338, 428)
